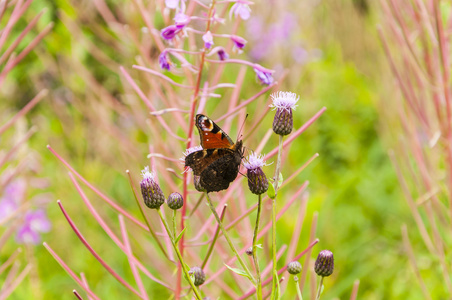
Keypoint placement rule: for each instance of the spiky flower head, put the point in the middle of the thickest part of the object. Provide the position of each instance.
(199, 275)
(294, 267)
(324, 264)
(284, 103)
(152, 194)
(249, 251)
(265, 77)
(175, 201)
(257, 181)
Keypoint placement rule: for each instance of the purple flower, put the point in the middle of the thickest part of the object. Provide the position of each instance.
(284, 100)
(181, 20)
(264, 77)
(150, 190)
(240, 9)
(222, 55)
(12, 197)
(239, 42)
(168, 33)
(164, 61)
(35, 222)
(208, 39)
(7, 207)
(257, 181)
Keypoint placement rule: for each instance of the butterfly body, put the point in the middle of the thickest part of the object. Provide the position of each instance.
(217, 165)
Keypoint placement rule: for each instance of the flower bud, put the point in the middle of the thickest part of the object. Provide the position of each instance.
(265, 77)
(170, 32)
(284, 103)
(199, 275)
(249, 251)
(257, 181)
(324, 264)
(175, 201)
(152, 194)
(294, 267)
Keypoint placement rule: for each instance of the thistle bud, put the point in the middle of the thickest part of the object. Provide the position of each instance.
(257, 181)
(294, 267)
(249, 251)
(175, 201)
(324, 264)
(199, 275)
(284, 103)
(152, 194)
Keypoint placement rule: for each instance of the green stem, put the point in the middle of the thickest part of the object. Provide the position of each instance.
(319, 290)
(231, 245)
(277, 172)
(179, 256)
(215, 237)
(297, 285)
(256, 261)
(174, 224)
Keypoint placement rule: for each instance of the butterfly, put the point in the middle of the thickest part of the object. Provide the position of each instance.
(218, 163)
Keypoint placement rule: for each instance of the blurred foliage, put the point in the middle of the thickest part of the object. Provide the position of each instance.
(352, 183)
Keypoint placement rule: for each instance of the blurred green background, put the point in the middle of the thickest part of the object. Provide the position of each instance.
(334, 59)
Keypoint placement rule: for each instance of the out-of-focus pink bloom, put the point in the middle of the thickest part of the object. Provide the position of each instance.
(240, 9)
(12, 197)
(239, 42)
(35, 222)
(208, 39)
(172, 3)
(300, 55)
(264, 76)
(164, 61)
(222, 55)
(7, 207)
(181, 20)
(168, 33)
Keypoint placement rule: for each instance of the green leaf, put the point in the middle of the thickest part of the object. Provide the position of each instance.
(180, 235)
(271, 191)
(259, 246)
(280, 180)
(239, 272)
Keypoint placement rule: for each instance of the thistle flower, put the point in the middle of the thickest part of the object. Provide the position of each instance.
(181, 20)
(199, 275)
(257, 181)
(264, 77)
(175, 201)
(283, 102)
(35, 223)
(168, 33)
(240, 8)
(208, 39)
(164, 61)
(324, 264)
(152, 194)
(294, 267)
(239, 42)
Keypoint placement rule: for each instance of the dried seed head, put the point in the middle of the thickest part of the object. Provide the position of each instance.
(199, 275)
(257, 181)
(324, 264)
(294, 267)
(152, 194)
(175, 201)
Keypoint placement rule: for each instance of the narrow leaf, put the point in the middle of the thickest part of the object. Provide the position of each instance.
(180, 235)
(238, 271)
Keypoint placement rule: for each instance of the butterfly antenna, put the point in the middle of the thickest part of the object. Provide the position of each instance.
(239, 134)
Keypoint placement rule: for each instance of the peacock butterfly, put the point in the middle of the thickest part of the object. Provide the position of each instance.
(218, 163)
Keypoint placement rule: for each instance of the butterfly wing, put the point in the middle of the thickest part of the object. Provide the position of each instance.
(211, 135)
(200, 160)
(219, 174)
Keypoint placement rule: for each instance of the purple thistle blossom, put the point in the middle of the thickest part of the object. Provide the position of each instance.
(284, 100)
(181, 20)
(239, 42)
(35, 222)
(254, 161)
(164, 61)
(168, 33)
(240, 8)
(208, 39)
(264, 77)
